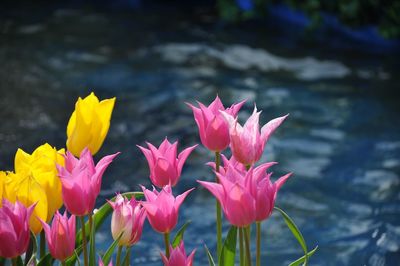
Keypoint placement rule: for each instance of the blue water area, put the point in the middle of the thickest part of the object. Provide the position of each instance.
(341, 140)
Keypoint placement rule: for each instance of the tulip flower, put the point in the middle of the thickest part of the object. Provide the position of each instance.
(165, 167)
(3, 177)
(245, 196)
(128, 218)
(213, 129)
(35, 181)
(81, 181)
(247, 142)
(60, 236)
(162, 208)
(178, 257)
(89, 123)
(14, 228)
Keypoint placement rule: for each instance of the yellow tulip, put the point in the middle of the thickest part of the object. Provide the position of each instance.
(89, 124)
(3, 177)
(35, 181)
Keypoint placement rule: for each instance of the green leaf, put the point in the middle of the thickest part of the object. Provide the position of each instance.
(302, 259)
(228, 252)
(46, 260)
(107, 256)
(101, 215)
(179, 235)
(76, 256)
(19, 261)
(295, 231)
(30, 255)
(209, 256)
(92, 250)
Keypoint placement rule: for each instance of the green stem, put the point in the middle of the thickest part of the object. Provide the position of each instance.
(247, 229)
(14, 261)
(90, 222)
(118, 263)
(63, 263)
(128, 256)
(241, 252)
(258, 254)
(166, 240)
(248, 254)
(42, 247)
(84, 241)
(218, 209)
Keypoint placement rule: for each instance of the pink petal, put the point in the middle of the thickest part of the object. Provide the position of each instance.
(215, 189)
(183, 156)
(282, 180)
(180, 198)
(270, 127)
(216, 105)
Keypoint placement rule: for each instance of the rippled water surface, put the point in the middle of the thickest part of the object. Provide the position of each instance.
(342, 139)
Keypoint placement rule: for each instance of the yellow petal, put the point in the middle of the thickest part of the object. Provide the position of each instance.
(3, 177)
(104, 112)
(22, 161)
(27, 191)
(80, 136)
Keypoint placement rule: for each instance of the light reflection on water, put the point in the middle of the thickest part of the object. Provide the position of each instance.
(341, 140)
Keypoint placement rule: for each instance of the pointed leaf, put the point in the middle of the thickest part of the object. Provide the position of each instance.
(179, 235)
(302, 259)
(19, 261)
(228, 252)
(30, 255)
(71, 260)
(209, 256)
(107, 256)
(46, 260)
(295, 231)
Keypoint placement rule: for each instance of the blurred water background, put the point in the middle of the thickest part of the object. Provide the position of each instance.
(342, 139)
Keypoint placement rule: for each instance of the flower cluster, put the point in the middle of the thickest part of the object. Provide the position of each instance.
(47, 179)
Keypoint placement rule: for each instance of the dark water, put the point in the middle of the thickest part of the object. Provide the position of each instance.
(342, 140)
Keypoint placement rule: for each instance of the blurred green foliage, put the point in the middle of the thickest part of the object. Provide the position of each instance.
(354, 13)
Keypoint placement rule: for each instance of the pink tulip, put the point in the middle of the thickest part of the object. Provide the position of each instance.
(165, 167)
(162, 208)
(81, 181)
(245, 196)
(178, 257)
(213, 129)
(247, 143)
(60, 236)
(14, 228)
(264, 191)
(128, 218)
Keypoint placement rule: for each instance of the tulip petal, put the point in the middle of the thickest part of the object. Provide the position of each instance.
(215, 189)
(282, 180)
(270, 127)
(183, 156)
(180, 198)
